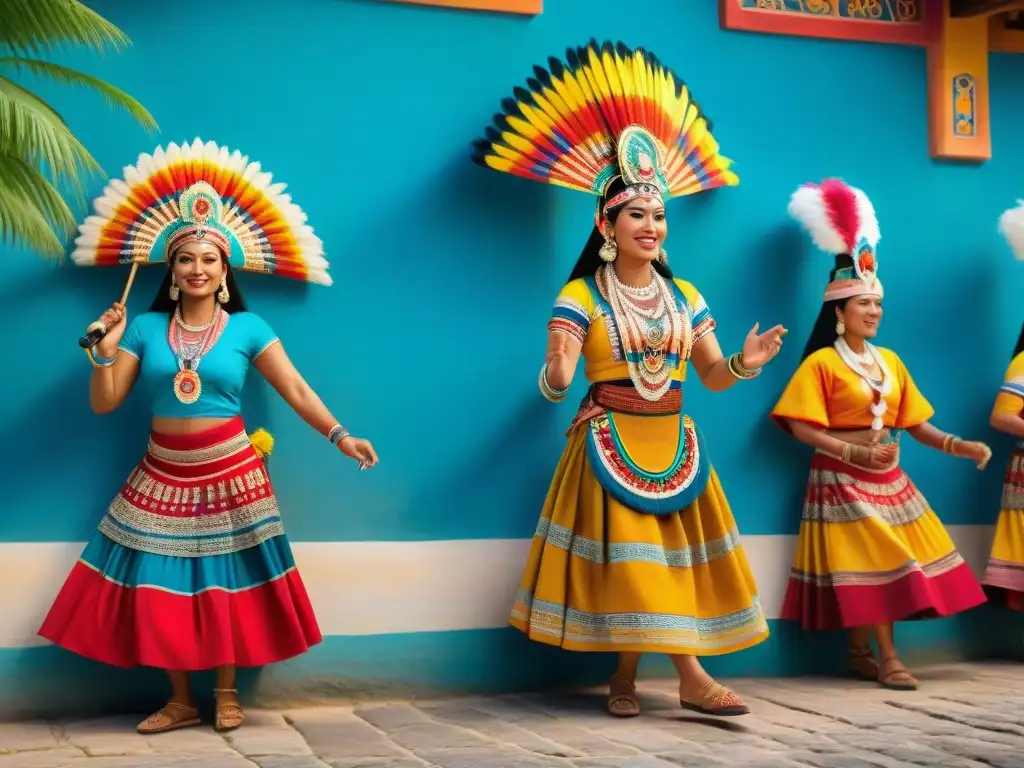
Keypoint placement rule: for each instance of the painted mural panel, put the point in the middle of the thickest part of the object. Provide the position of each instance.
(891, 21)
(525, 7)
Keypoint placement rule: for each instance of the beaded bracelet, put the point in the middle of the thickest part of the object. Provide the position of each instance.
(550, 393)
(98, 361)
(337, 434)
(736, 368)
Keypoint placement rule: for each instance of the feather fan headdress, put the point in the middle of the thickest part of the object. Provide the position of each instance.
(201, 191)
(606, 111)
(841, 220)
(1011, 226)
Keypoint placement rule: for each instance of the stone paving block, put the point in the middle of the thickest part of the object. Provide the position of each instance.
(637, 761)
(267, 733)
(336, 734)
(104, 737)
(16, 737)
(200, 741)
(497, 728)
(495, 757)
(45, 758)
(848, 759)
(285, 761)
(377, 763)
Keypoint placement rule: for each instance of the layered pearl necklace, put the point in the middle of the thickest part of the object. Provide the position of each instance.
(649, 327)
(860, 364)
(189, 344)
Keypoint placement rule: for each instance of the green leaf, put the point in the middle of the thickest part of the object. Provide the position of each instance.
(22, 222)
(37, 26)
(19, 178)
(32, 130)
(115, 97)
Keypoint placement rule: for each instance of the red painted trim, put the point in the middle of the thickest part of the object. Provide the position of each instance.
(734, 17)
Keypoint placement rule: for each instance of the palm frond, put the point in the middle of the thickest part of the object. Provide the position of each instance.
(23, 180)
(115, 97)
(31, 129)
(21, 222)
(37, 26)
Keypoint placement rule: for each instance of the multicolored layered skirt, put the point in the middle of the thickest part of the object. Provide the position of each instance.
(1004, 576)
(636, 548)
(190, 567)
(871, 551)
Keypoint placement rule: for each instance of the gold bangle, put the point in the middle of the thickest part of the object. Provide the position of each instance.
(847, 450)
(95, 363)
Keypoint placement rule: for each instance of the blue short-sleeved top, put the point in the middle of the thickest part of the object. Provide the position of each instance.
(222, 370)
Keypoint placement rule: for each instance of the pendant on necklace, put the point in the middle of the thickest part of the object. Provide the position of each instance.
(187, 386)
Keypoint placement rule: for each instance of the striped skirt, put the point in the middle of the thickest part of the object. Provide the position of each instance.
(1004, 576)
(190, 567)
(871, 551)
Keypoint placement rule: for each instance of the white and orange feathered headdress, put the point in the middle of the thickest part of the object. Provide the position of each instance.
(1011, 226)
(841, 220)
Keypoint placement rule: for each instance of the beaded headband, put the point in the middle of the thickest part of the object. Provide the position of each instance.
(841, 220)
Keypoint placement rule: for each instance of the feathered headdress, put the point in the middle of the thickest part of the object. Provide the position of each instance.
(1011, 226)
(201, 191)
(606, 111)
(841, 220)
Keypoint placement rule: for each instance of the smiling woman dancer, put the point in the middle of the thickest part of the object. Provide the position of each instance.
(190, 568)
(636, 550)
(870, 550)
(1004, 576)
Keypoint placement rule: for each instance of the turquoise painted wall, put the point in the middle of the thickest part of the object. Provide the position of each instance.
(430, 341)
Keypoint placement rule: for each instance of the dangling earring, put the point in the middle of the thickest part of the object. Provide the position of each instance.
(222, 295)
(609, 251)
(663, 256)
(174, 292)
(840, 328)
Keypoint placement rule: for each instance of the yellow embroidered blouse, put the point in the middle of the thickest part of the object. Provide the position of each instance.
(1010, 399)
(826, 393)
(581, 312)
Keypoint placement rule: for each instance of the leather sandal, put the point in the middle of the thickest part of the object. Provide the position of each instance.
(863, 664)
(170, 717)
(716, 700)
(622, 700)
(227, 715)
(896, 677)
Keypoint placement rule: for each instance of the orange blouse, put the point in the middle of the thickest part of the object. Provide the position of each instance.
(825, 392)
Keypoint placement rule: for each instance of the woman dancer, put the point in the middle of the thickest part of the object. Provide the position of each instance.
(1004, 576)
(636, 550)
(190, 568)
(870, 550)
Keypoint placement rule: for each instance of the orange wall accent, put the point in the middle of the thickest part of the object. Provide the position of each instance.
(958, 88)
(525, 7)
(1004, 40)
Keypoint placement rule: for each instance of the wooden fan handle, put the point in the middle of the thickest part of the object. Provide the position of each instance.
(98, 330)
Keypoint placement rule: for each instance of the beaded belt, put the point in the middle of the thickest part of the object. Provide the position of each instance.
(625, 399)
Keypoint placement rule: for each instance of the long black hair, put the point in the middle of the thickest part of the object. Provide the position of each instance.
(163, 303)
(1020, 344)
(590, 259)
(823, 334)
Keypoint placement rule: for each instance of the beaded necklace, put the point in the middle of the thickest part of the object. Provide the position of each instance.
(650, 328)
(190, 343)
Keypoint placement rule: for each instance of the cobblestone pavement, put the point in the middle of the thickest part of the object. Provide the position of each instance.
(963, 716)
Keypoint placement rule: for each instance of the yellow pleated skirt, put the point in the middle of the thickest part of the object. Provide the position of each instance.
(1004, 576)
(603, 577)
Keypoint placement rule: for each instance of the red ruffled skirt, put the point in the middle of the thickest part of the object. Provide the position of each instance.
(190, 567)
